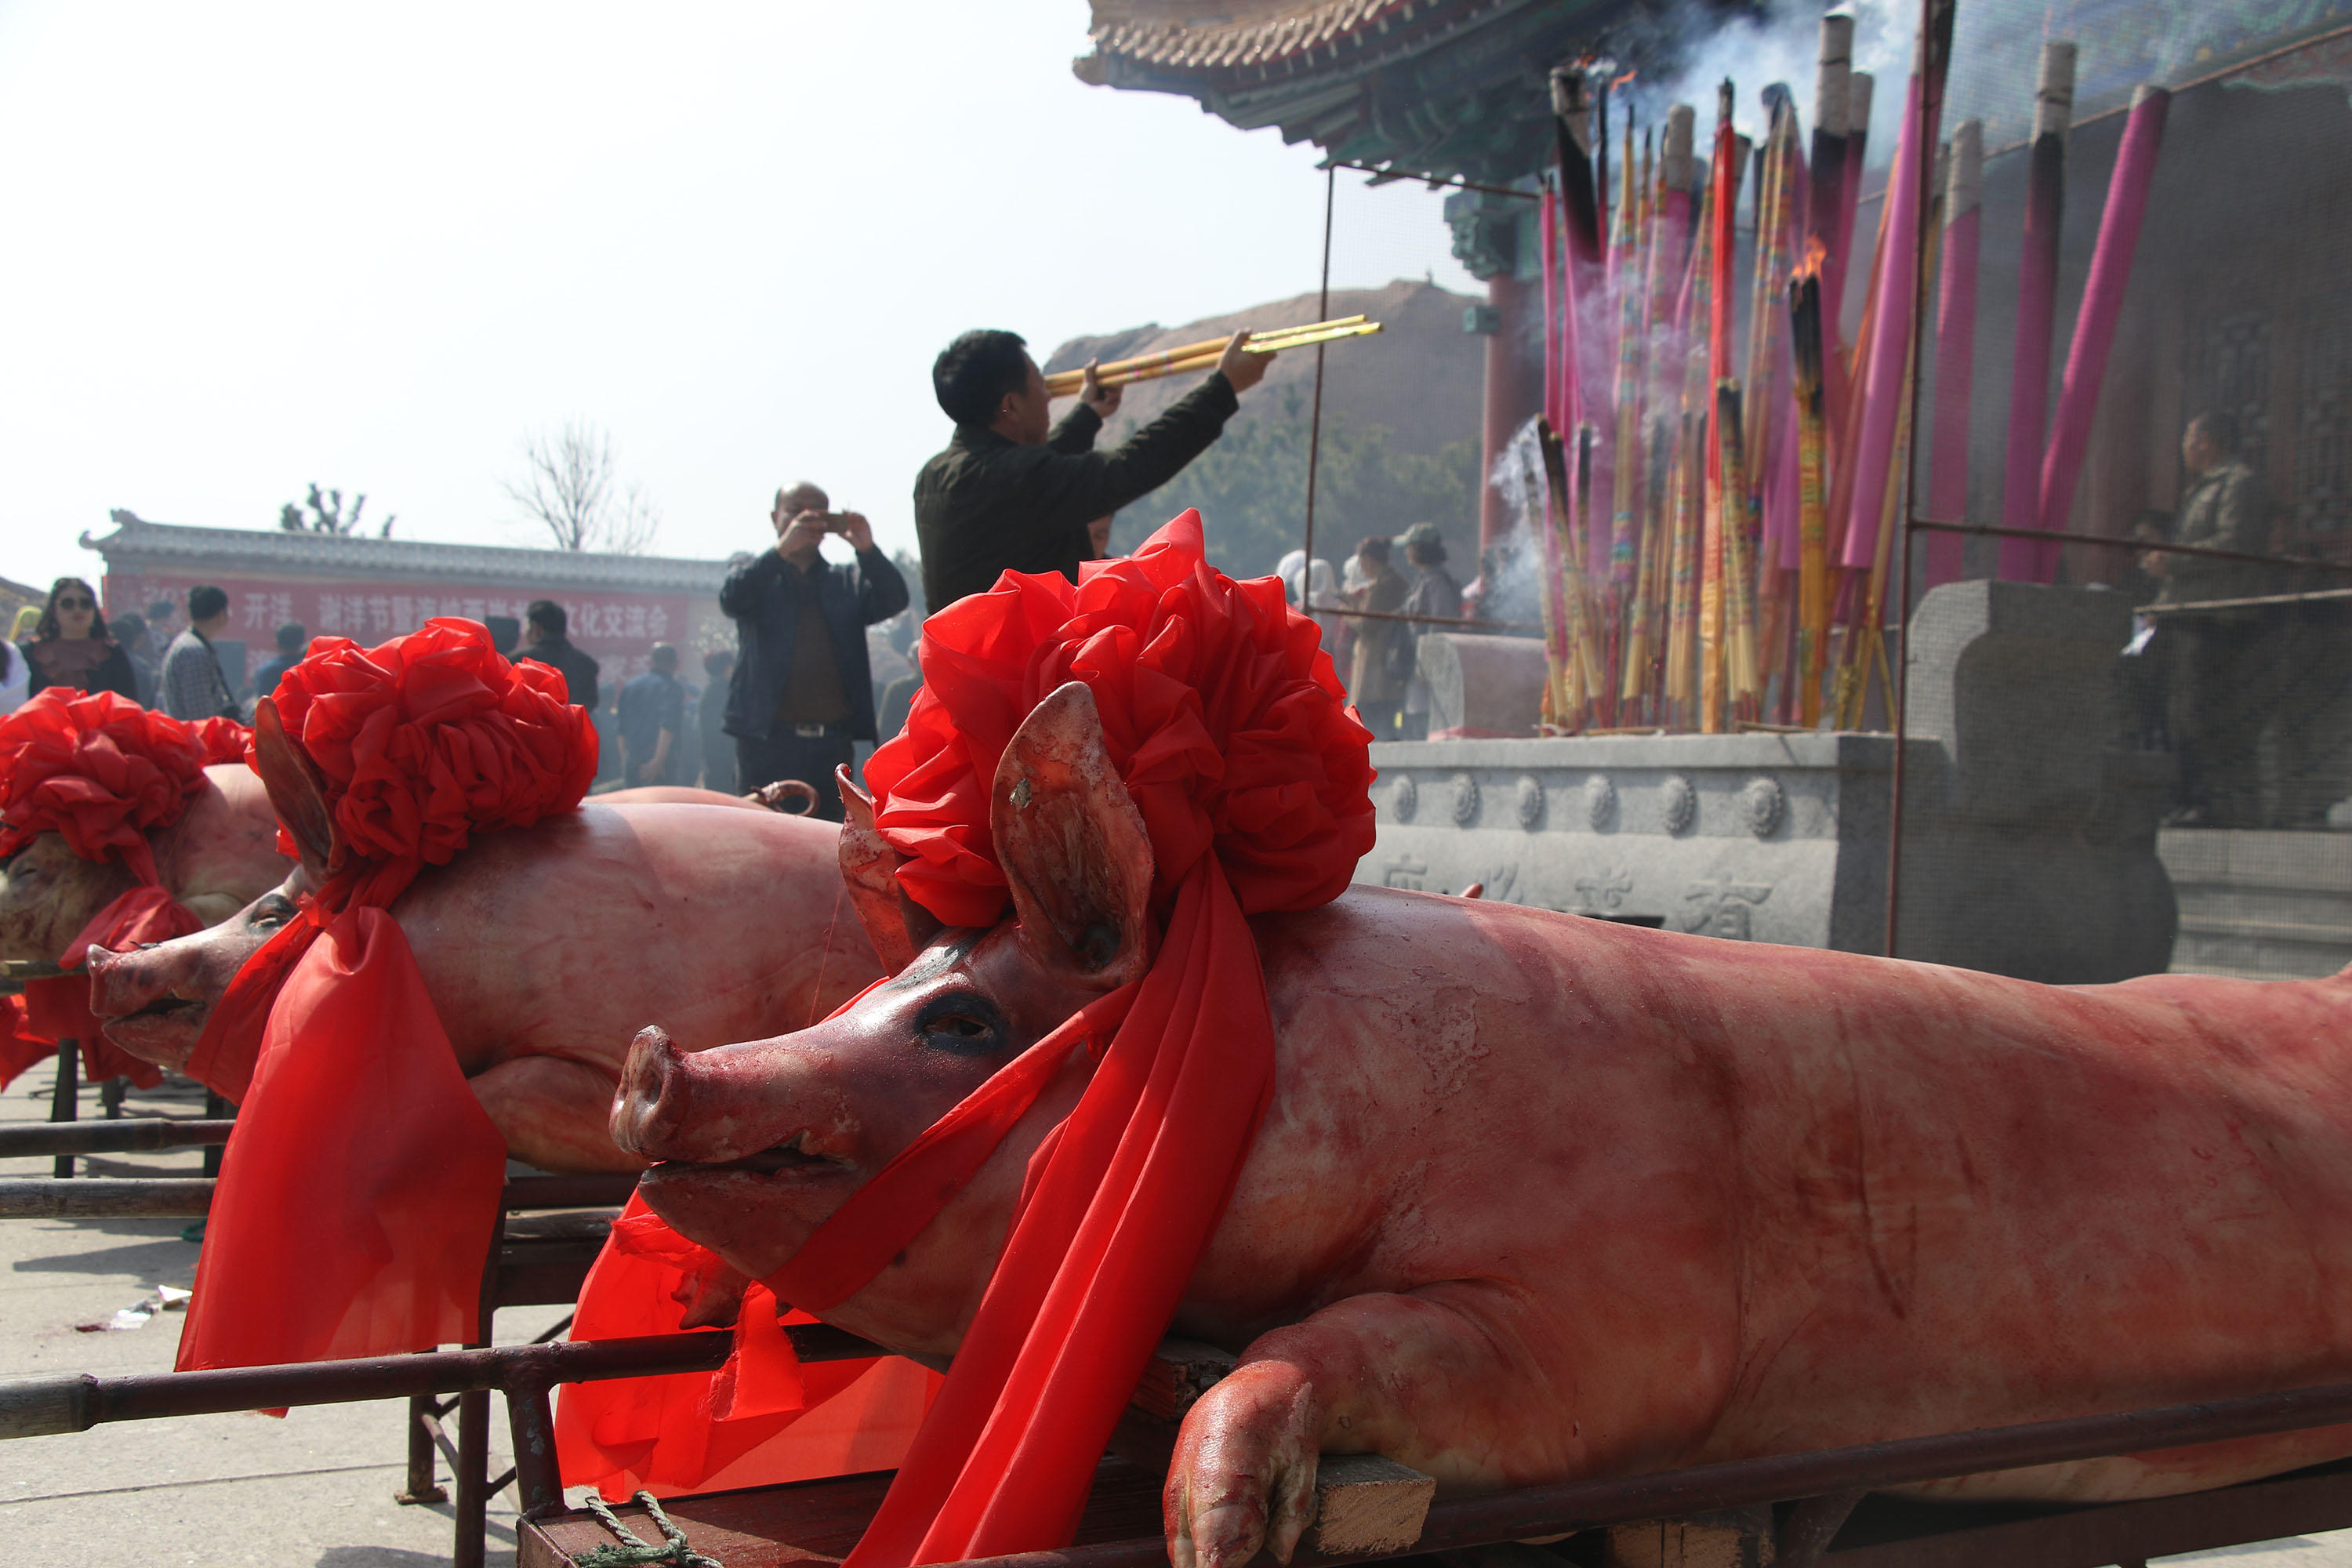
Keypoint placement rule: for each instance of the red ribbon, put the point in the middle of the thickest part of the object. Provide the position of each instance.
(355, 1203)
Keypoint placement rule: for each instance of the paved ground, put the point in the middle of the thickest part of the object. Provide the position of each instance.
(314, 1489)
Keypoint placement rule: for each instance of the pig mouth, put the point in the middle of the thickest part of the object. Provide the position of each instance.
(163, 1007)
(791, 1156)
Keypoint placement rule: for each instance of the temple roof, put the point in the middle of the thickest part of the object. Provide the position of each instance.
(1424, 87)
(139, 545)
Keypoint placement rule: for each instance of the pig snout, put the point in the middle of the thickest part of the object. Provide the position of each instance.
(734, 1103)
(142, 1001)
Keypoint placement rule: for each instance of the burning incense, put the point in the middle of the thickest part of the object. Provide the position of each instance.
(1812, 535)
(1711, 559)
(1956, 330)
(1625, 462)
(1558, 653)
(2102, 304)
(2037, 306)
(1832, 84)
(1742, 681)
(1571, 108)
(1682, 569)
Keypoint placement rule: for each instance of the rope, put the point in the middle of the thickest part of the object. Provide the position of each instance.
(672, 1550)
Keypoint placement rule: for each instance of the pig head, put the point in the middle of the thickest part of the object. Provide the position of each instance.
(757, 1143)
(217, 857)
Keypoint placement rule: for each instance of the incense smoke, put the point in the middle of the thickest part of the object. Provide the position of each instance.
(1781, 43)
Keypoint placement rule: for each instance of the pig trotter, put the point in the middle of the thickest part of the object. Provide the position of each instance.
(1244, 1472)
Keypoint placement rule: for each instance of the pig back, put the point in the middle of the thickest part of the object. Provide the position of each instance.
(566, 939)
(1821, 1198)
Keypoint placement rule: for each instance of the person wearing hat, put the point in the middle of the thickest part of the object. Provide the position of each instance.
(1434, 594)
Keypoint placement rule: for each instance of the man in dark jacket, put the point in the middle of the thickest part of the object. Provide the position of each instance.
(1012, 493)
(802, 691)
(545, 641)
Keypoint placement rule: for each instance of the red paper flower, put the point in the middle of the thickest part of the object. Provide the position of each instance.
(1219, 709)
(103, 771)
(431, 738)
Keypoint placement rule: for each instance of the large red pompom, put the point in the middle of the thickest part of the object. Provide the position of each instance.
(103, 771)
(1220, 710)
(428, 739)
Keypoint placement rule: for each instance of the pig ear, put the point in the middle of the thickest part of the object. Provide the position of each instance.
(297, 792)
(898, 927)
(1073, 845)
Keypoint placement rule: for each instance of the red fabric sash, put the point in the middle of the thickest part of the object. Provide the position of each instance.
(763, 1419)
(20, 1047)
(58, 1009)
(357, 1200)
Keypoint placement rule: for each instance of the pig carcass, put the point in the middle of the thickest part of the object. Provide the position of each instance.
(545, 948)
(1540, 1197)
(219, 856)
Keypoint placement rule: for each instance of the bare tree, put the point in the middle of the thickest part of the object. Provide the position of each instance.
(568, 486)
(326, 515)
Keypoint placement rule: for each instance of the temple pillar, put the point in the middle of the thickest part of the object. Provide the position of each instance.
(1514, 391)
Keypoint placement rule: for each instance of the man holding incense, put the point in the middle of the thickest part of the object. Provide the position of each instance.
(1014, 492)
(2225, 666)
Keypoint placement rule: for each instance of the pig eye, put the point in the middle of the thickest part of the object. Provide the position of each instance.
(271, 913)
(964, 1022)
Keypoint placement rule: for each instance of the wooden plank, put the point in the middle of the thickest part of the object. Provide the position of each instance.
(1887, 1533)
(1364, 1503)
(1179, 1372)
(1732, 1538)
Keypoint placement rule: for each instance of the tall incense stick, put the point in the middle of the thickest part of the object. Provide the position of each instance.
(2037, 306)
(1956, 333)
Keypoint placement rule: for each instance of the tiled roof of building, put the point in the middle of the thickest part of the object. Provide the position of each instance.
(1200, 36)
(137, 544)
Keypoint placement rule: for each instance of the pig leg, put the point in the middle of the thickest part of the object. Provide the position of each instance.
(553, 1114)
(1437, 1378)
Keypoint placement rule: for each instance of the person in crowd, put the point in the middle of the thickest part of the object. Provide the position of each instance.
(27, 622)
(2223, 692)
(710, 722)
(130, 629)
(1317, 592)
(70, 646)
(193, 684)
(547, 640)
(2143, 672)
(293, 641)
(163, 622)
(801, 694)
(1014, 492)
(1098, 536)
(505, 631)
(16, 677)
(653, 721)
(1434, 594)
(1378, 667)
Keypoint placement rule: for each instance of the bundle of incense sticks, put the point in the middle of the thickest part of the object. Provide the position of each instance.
(1728, 514)
(1204, 354)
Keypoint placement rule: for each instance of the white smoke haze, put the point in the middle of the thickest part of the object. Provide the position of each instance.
(1782, 44)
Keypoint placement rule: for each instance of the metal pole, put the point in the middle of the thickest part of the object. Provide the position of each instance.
(1315, 422)
(1935, 17)
(62, 1105)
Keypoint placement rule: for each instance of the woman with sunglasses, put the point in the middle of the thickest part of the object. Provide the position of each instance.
(70, 647)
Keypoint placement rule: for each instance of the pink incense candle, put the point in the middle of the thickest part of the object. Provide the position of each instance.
(2102, 305)
(1882, 395)
(2037, 308)
(1956, 333)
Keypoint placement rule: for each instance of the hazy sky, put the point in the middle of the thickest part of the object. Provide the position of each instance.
(248, 246)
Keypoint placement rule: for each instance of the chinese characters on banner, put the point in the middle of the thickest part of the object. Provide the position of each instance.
(618, 629)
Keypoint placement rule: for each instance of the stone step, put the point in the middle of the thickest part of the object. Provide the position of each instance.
(2260, 949)
(2233, 901)
(2246, 857)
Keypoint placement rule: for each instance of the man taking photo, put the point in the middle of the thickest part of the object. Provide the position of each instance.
(1012, 492)
(802, 690)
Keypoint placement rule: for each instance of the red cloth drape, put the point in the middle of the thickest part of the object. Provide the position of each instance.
(1229, 728)
(20, 1046)
(356, 1200)
(760, 1420)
